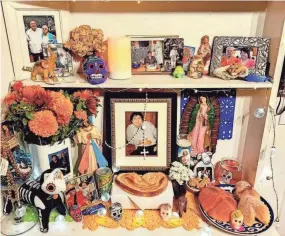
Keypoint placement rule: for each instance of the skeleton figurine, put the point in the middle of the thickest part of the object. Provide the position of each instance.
(116, 211)
(165, 212)
(226, 176)
(182, 205)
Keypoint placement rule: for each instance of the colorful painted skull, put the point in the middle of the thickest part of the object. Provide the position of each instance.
(227, 176)
(237, 220)
(95, 70)
(165, 212)
(116, 211)
(75, 213)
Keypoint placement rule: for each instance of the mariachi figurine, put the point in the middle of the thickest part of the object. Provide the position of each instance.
(45, 195)
(165, 211)
(90, 137)
(95, 70)
(196, 68)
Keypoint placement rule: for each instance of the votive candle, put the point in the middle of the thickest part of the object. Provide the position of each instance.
(119, 58)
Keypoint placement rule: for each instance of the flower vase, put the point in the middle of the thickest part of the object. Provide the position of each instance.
(53, 156)
(179, 190)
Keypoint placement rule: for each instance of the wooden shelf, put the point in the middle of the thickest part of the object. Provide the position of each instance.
(154, 81)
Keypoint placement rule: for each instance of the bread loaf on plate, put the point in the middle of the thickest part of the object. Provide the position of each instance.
(217, 203)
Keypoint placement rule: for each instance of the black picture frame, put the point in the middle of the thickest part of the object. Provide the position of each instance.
(110, 153)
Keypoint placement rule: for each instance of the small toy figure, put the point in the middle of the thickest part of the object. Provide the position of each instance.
(196, 68)
(165, 212)
(178, 72)
(205, 52)
(237, 220)
(116, 211)
(45, 68)
(182, 205)
(45, 195)
(95, 69)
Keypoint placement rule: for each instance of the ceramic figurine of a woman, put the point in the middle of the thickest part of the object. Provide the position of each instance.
(205, 51)
(200, 125)
(85, 135)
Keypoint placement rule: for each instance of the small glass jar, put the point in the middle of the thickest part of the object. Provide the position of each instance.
(184, 149)
(228, 171)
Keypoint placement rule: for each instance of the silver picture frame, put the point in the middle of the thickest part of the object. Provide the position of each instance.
(222, 42)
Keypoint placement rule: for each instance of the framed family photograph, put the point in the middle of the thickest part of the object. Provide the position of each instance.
(30, 29)
(148, 54)
(173, 53)
(81, 191)
(142, 131)
(251, 52)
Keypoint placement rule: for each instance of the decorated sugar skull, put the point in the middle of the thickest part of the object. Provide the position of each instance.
(75, 213)
(165, 212)
(116, 211)
(95, 69)
(227, 176)
(237, 220)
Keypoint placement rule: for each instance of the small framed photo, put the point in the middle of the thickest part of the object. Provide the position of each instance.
(251, 52)
(147, 53)
(188, 54)
(81, 191)
(60, 159)
(142, 133)
(63, 62)
(173, 53)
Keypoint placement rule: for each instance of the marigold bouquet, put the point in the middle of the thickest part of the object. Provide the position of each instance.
(46, 116)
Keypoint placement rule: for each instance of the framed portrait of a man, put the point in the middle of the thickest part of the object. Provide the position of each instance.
(141, 130)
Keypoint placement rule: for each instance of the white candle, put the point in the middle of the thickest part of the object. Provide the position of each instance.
(119, 58)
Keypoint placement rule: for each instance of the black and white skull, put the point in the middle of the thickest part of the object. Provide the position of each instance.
(227, 176)
(116, 211)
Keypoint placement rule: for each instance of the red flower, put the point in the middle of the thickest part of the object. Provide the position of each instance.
(43, 124)
(83, 95)
(91, 104)
(10, 99)
(34, 95)
(17, 86)
(81, 115)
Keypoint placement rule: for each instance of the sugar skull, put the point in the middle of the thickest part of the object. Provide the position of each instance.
(116, 211)
(95, 70)
(237, 220)
(165, 212)
(227, 176)
(75, 213)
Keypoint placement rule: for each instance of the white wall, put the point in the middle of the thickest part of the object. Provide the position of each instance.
(6, 68)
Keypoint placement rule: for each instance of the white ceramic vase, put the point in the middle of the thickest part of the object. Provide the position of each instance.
(42, 156)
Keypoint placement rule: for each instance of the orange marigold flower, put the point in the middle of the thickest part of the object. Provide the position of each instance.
(17, 86)
(34, 94)
(81, 115)
(43, 124)
(63, 109)
(10, 99)
(83, 95)
(51, 98)
(91, 104)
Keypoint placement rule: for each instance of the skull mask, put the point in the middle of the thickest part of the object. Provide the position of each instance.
(116, 211)
(165, 212)
(227, 176)
(75, 213)
(95, 69)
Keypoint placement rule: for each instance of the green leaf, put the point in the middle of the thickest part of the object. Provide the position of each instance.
(29, 115)
(79, 106)
(25, 121)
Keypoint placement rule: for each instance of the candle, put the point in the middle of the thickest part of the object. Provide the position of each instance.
(119, 58)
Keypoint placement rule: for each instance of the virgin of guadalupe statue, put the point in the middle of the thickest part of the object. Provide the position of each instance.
(200, 124)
